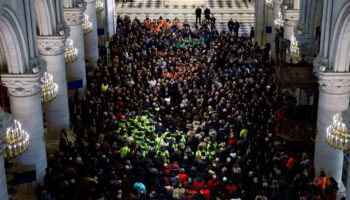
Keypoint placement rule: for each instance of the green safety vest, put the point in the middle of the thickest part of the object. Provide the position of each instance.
(199, 153)
(125, 150)
(104, 87)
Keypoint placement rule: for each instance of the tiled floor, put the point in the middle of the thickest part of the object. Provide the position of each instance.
(213, 4)
(223, 10)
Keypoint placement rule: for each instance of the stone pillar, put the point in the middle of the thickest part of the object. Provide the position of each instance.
(348, 185)
(3, 183)
(25, 101)
(333, 98)
(57, 112)
(102, 23)
(260, 22)
(111, 22)
(91, 40)
(76, 70)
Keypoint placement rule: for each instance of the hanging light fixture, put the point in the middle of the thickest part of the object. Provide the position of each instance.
(99, 6)
(269, 3)
(49, 89)
(337, 134)
(294, 49)
(279, 22)
(16, 140)
(70, 53)
(87, 25)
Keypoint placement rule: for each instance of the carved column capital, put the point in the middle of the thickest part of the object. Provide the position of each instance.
(22, 85)
(73, 16)
(51, 45)
(334, 83)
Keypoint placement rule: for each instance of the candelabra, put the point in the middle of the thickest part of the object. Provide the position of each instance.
(269, 3)
(16, 140)
(87, 25)
(294, 49)
(99, 6)
(279, 22)
(49, 89)
(70, 53)
(337, 134)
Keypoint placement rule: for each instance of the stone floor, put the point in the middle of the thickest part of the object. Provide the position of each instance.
(223, 10)
(212, 4)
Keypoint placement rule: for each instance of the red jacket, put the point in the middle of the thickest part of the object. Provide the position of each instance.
(183, 178)
(231, 188)
(213, 184)
(198, 185)
(206, 193)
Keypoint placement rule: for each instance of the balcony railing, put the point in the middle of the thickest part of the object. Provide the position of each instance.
(292, 129)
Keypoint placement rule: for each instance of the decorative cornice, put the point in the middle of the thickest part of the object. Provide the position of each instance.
(290, 23)
(51, 45)
(90, 1)
(22, 85)
(73, 16)
(277, 1)
(334, 83)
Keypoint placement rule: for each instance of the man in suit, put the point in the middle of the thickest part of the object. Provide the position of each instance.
(198, 14)
(207, 14)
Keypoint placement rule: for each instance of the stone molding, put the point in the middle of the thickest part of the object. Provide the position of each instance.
(51, 45)
(22, 85)
(90, 1)
(277, 1)
(334, 83)
(291, 23)
(291, 14)
(73, 16)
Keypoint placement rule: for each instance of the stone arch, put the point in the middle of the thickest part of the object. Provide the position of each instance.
(14, 53)
(46, 21)
(339, 57)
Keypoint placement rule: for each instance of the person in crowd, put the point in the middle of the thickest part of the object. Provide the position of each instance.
(198, 15)
(212, 22)
(236, 27)
(230, 25)
(207, 14)
(186, 115)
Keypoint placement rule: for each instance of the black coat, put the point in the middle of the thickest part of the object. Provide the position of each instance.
(198, 12)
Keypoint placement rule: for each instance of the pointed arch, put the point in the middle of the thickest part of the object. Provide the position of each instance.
(45, 17)
(14, 52)
(340, 42)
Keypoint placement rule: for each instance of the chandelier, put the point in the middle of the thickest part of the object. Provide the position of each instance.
(269, 3)
(279, 22)
(87, 25)
(99, 6)
(70, 53)
(16, 140)
(49, 89)
(294, 49)
(337, 134)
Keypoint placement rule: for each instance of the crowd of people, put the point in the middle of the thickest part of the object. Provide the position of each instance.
(180, 113)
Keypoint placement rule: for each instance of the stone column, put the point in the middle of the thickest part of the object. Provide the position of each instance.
(3, 183)
(111, 22)
(25, 101)
(102, 23)
(260, 22)
(76, 70)
(57, 112)
(91, 40)
(5, 122)
(333, 98)
(348, 185)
